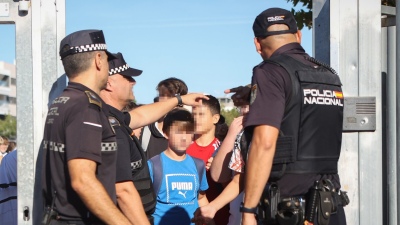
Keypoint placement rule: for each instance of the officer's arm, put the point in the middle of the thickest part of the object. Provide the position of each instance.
(92, 192)
(130, 203)
(259, 163)
(150, 113)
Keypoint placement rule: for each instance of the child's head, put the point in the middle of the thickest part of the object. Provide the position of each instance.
(207, 115)
(170, 87)
(178, 128)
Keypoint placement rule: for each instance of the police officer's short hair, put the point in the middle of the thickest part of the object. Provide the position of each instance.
(78, 63)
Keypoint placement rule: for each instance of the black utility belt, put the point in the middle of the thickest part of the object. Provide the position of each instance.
(318, 204)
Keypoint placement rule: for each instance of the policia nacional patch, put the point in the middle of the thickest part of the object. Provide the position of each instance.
(253, 93)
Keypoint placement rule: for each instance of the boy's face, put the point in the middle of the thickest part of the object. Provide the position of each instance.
(179, 139)
(204, 120)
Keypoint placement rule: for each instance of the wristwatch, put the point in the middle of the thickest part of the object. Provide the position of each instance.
(248, 210)
(180, 103)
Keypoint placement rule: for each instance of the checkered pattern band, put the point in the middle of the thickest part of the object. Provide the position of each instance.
(54, 146)
(135, 165)
(118, 69)
(89, 48)
(108, 146)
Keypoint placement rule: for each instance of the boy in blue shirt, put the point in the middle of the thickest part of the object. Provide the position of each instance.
(179, 179)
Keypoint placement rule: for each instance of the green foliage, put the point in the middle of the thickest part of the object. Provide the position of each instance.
(8, 127)
(230, 115)
(304, 16)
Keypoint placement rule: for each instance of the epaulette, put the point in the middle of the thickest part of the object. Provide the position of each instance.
(93, 99)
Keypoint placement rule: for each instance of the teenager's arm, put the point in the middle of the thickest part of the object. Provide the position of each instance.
(207, 212)
(202, 198)
(219, 168)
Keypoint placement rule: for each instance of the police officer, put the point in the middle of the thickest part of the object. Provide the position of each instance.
(79, 144)
(131, 161)
(295, 118)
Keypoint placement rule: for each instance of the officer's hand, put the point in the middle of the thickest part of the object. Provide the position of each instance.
(193, 99)
(248, 219)
(241, 95)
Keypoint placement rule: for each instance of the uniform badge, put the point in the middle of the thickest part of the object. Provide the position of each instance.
(113, 122)
(253, 93)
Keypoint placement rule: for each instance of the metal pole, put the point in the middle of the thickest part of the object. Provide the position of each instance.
(398, 105)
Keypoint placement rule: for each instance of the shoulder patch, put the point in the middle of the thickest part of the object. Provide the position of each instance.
(93, 99)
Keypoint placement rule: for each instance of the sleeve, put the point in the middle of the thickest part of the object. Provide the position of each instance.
(204, 183)
(83, 135)
(267, 103)
(124, 172)
(237, 163)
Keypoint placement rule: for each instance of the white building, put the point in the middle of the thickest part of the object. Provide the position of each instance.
(226, 103)
(8, 91)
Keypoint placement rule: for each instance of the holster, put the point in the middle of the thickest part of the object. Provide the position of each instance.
(268, 206)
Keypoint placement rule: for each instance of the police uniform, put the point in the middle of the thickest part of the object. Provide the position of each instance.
(303, 99)
(131, 159)
(77, 127)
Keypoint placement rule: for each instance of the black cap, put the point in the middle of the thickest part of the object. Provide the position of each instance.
(84, 41)
(274, 16)
(118, 65)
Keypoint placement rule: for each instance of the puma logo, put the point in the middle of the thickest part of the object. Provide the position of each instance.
(183, 194)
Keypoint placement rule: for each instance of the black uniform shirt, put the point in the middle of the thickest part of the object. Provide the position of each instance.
(77, 127)
(271, 89)
(129, 158)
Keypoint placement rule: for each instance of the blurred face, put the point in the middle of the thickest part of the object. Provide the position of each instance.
(3, 148)
(203, 119)
(179, 139)
(122, 88)
(244, 109)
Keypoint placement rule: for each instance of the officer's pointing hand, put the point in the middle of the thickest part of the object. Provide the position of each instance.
(241, 95)
(193, 99)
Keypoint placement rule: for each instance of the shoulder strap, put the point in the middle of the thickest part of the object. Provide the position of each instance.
(156, 166)
(200, 168)
(145, 138)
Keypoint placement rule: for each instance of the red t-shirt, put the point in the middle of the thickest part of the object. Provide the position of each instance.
(214, 189)
(203, 152)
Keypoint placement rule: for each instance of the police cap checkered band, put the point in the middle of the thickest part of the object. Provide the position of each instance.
(119, 66)
(118, 69)
(274, 16)
(83, 41)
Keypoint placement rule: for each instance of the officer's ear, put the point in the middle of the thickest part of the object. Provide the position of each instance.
(109, 84)
(98, 60)
(257, 43)
(298, 36)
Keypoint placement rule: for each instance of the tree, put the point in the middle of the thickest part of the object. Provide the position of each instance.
(8, 127)
(230, 115)
(304, 16)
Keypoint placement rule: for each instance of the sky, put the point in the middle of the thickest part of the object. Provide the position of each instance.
(208, 44)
